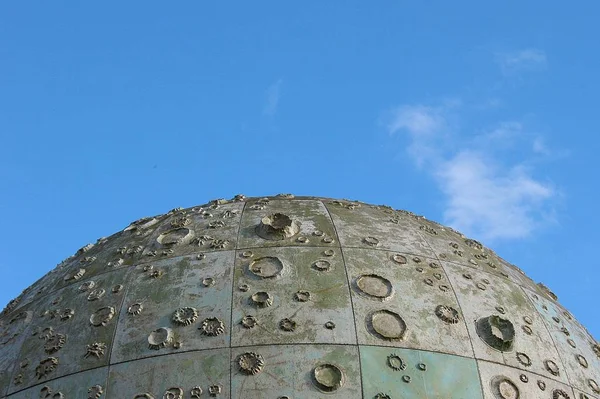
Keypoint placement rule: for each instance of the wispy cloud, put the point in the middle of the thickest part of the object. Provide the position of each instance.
(539, 146)
(520, 61)
(490, 201)
(505, 132)
(273, 97)
(485, 196)
(422, 124)
(418, 120)
(426, 126)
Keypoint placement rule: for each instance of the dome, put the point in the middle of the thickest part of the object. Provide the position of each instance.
(291, 297)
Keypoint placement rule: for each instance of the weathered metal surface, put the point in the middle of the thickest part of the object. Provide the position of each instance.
(191, 231)
(61, 329)
(285, 297)
(418, 289)
(451, 246)
(415, 374)
(483, 295)
(13, 332)
(370, 227)
(310, 291)
(574, 344)
(288, 371)
(85, 384)
(198, 288)
(315, 226)
(500, 382)
(156, 376)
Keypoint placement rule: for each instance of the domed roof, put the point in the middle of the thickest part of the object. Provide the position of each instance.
(291, 297)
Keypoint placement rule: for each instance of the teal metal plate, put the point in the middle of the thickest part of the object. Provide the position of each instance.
(444, 376)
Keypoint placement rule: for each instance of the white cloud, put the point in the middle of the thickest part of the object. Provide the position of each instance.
(273, 97)
(505, 132)
(425, 126)
(539, 146)
(522, 60)
(418, 120)
(488, 201)
(484, 198)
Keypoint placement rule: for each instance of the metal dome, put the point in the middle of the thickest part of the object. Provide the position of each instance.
(291, 297)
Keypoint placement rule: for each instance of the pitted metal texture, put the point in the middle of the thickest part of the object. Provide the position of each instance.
(291, 297)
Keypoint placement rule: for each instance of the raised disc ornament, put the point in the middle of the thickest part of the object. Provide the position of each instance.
(374, 286)
(54, 342)
(371, 241)
(395, 362)
(503, 388)
(208, 281)
(88, 285)
(249, 322)
(266, 267)
(250, 363)
(47, 393)
(185, 316)
(551, 367)
(302, 296)
(95, 392)
(135, 309)
(46, 367)
(173, 393)
(96, 294)
(144, 395)
(387, 325)
(497, 332)
(328, 377)
(277, 227)
(74, 275)
(214, 390)
(96, 350)
(523, 359)
(176, 236)
(560, 394)
(593, 385)
(102, 316)
(262, 299)
(447, 314)
(400, 259)
(322, 265)
(212, 327)
(160, 338)
(287, 325)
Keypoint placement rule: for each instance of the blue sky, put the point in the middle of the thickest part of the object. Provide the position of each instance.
(481, 116)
